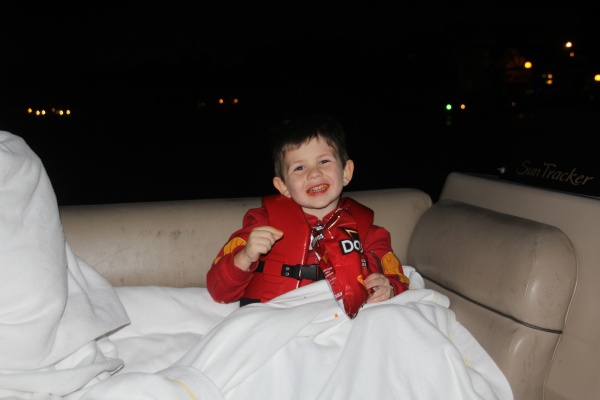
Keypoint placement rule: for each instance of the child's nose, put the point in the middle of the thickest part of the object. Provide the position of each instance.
(314, 172)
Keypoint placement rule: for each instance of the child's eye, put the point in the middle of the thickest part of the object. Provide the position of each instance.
(298, 168)
(324, 161)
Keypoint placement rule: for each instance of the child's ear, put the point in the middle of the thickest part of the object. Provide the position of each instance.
(348, 171)
(280, 185)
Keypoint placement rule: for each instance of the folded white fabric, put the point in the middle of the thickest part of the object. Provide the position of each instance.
(303, 345)
(53, 305)
(165, 323)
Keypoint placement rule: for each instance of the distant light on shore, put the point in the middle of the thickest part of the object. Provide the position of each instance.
(41, 112)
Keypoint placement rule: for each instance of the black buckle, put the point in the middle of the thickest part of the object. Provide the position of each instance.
(245, 301)
(299, 271)
(260, 267)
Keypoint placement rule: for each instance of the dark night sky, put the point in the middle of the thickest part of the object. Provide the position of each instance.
(377, 65)
(226, 31)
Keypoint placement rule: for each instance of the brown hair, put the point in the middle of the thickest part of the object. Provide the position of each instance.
(293, 133)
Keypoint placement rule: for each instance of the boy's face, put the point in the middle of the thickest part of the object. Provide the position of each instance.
(314, 177)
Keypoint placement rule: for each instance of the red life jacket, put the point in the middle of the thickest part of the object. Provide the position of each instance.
(270, 280)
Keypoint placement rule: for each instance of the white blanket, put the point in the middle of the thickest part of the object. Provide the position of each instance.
(53, 305)
(302, 346)
(65, 333)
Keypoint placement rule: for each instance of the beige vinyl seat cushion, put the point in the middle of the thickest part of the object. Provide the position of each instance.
(510, 281)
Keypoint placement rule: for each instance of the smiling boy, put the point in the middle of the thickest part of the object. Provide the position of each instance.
(271, 254)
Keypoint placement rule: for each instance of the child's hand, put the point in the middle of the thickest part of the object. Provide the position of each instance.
(382, 290)
(259, 242)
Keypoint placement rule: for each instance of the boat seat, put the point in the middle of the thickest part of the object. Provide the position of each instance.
(510, 281)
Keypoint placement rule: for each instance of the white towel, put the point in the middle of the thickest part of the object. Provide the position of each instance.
(53, 305)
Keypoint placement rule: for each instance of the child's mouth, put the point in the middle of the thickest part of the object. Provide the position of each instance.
(317, 189)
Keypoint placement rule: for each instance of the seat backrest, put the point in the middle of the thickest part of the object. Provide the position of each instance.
(573, 373)
(510, 281)
(173, 243)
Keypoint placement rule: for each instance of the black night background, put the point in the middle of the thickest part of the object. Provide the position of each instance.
(173, 100)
